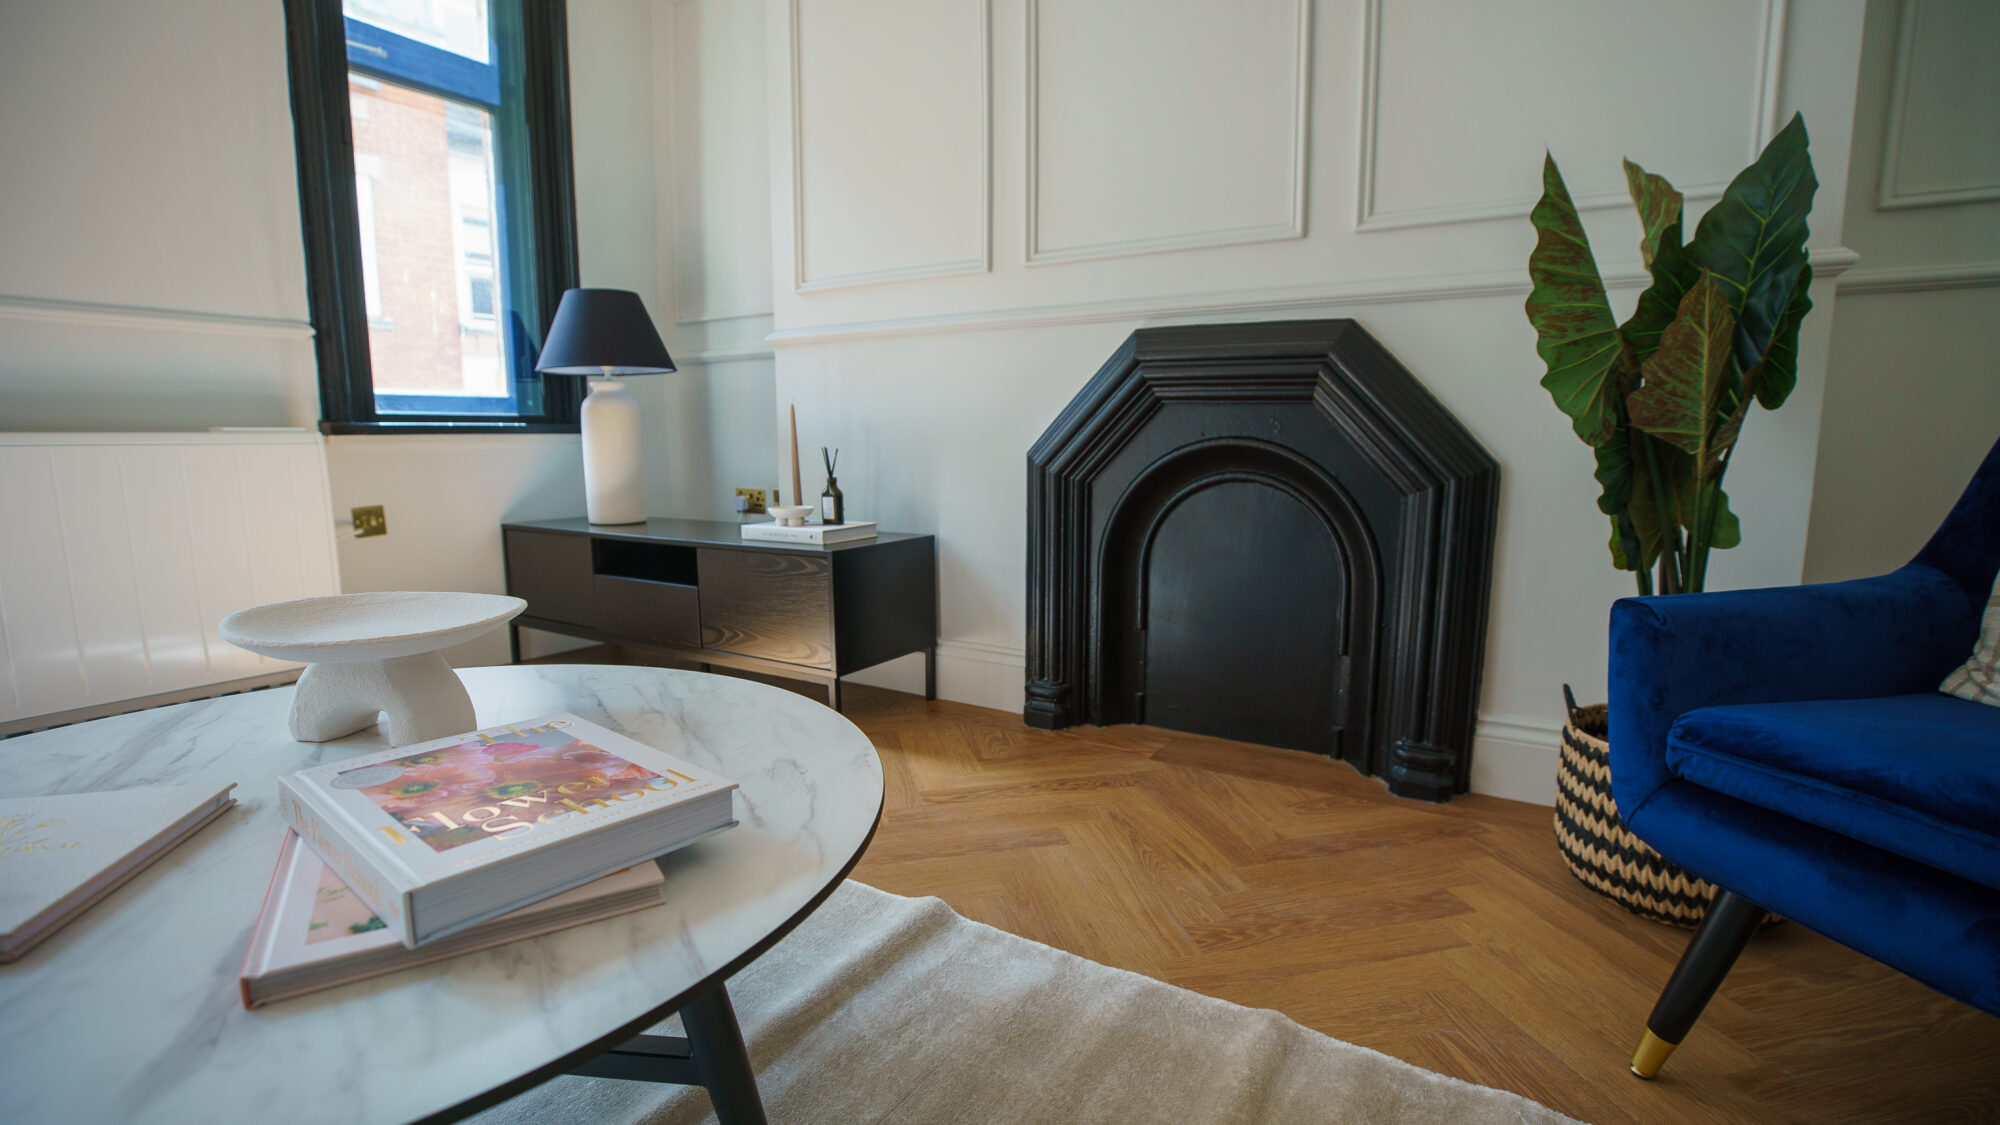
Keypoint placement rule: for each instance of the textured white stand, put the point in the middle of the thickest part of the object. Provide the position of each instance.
(419, 695)
(373, 654)
(614, 482)
(131, 1013)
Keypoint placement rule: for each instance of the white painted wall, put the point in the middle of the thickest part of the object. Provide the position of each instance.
(974, 201)
(152, 275)
(714, 249)
(1913, 389)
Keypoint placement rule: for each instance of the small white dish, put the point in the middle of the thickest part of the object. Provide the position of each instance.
(791, 515)
(345, 628)
(373, 655)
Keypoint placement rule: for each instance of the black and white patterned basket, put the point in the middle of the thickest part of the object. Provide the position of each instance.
(1597, 846)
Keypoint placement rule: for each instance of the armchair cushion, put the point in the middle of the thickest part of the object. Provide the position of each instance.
(1895, 634)
(1918, 775)
(1978, 679)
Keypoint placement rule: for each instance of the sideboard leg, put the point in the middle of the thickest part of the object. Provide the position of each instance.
(513, 643)
(721, 1059)
(833, 693)
(930, 672)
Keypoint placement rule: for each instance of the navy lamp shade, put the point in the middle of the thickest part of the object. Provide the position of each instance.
(607, 332)
(603, 332)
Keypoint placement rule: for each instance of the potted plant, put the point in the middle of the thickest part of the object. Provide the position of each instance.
(1661, 399)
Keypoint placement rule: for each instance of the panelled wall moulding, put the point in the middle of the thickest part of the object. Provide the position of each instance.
(802, 280)
(1292, 225)
(1892, 190)
(1369, 215)
(684, 155)
(106, 315)
(1193, 308)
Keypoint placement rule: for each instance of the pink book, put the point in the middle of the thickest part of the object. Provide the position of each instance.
(315, 933)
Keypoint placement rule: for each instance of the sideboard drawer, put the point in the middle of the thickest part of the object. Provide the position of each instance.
(663, 612)
(552, 572)
(764, 603)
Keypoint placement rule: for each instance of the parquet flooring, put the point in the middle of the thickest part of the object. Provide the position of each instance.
(1450, 936)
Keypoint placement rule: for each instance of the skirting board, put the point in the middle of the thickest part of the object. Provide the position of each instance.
(1513, 756)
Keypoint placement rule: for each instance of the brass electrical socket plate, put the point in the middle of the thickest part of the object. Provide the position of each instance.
(756, 498)
(370, 521)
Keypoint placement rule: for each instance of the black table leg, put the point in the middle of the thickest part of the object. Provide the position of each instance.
(712, 1056)
(721, 1059)
(930, 672)
(513, 643)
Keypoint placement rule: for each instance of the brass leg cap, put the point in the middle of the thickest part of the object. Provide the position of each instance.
(1651, 1055)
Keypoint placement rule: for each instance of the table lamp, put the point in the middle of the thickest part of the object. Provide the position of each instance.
(606, 332)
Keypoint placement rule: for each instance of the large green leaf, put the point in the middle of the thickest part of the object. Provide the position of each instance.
(1754, 238)
(1772, 380)
(1659, 207)
(1778, 372)
(1681, 397)
(1727, 531)
(1659, 210)
(1576, 334)
(1656, 512)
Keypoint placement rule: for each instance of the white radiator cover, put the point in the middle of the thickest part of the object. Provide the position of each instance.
(120, 554)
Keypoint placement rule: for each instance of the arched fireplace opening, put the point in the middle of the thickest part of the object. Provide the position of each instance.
(1239, 586)
(1267, 532)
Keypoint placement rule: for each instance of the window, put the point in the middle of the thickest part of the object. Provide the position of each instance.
(434, 185)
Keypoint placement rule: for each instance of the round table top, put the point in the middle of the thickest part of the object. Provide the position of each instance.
(132, 1011)
(379, 625)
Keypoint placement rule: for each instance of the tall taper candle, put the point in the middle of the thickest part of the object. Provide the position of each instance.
(798, 494)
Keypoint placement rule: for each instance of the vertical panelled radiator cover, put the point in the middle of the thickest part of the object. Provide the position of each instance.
(120, 554)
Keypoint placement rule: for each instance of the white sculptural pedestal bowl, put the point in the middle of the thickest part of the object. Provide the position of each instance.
(373, 654)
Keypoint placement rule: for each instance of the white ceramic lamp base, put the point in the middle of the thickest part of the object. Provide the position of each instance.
(614, 482)
(373, 655)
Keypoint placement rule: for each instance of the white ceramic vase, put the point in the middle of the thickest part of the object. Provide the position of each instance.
(614, 483)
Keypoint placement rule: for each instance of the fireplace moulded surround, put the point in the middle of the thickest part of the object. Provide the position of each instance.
(1270, 532)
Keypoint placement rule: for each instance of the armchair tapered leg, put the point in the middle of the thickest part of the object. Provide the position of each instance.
(1726, 929)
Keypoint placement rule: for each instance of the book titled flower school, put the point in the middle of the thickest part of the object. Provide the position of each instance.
(447, 834)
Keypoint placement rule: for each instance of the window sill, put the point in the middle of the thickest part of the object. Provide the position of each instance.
(436, 427)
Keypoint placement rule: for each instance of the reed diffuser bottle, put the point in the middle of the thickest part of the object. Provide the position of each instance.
(832, 506)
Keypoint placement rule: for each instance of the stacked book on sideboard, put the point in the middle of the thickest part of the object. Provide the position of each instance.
(810, 534)
(423, 852)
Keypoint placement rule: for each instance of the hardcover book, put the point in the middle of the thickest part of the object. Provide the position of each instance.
(315, 933)
(814, 534)
(59, 855)
(444, 835)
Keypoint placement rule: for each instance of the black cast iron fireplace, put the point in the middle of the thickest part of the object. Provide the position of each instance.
(1266, 532)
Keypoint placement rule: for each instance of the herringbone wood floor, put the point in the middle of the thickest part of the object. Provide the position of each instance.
(1450, 935)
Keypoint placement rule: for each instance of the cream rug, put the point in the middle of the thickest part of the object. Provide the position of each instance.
(880, 1008)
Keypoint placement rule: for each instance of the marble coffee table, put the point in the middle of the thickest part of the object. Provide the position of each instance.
(131, 1012)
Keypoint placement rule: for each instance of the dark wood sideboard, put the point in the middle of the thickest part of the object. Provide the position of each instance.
(698, 590)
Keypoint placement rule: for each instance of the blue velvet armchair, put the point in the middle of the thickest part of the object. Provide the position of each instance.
(1790, 746)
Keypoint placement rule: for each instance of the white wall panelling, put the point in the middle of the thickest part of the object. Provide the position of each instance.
(719, 173)
(1435, 138)
(102, 315)
(1252, 304)
(1912, 404)
(1147, 133)
(1942, 143)
(891, 123)
(1921, 279)
(125, 551)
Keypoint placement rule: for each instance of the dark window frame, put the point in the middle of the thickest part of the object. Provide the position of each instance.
(316, 34)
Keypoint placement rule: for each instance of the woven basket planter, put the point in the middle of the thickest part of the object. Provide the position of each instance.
(1598, 847)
